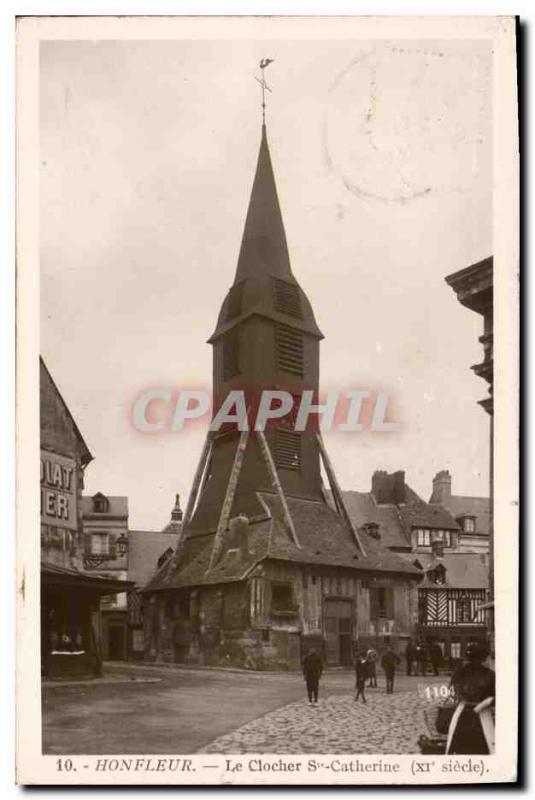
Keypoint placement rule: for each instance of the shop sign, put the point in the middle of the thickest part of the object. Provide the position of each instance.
(58, 490)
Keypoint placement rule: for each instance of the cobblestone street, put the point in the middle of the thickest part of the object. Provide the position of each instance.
(385, 724)
(138, 709)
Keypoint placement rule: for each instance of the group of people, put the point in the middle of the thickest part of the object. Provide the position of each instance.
(419, 654)
(471, 726)
(365, 672)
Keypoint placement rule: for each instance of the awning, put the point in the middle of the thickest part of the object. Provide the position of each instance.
(53, 575)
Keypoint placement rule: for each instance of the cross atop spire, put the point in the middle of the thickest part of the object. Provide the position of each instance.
(265, 62)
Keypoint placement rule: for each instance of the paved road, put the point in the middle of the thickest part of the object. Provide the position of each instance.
(190, 711)
(386, 724)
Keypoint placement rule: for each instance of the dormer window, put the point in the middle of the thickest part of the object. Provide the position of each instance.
(468, 523)
(101, 504)
(423, 537)
(372, 529)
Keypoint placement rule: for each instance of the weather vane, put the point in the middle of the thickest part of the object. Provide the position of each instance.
(265, 62)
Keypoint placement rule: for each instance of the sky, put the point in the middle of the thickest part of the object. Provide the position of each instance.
(382, 157)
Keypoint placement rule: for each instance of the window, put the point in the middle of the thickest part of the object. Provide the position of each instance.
(372, 529)
(101, 504)
(100, 544)
(455, 649)
(281, 597)
(464, 610)
(287, 449)
(287, 298)
(231, 355)
(423, 538)
(469, 524)
(290, 350)
(381, 603)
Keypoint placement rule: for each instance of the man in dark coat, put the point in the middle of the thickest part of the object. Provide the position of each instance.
(410, 656)
(312, 672)
(389, 662)
(471, 730)
(362, 673)
(435, 656)
(421, 658)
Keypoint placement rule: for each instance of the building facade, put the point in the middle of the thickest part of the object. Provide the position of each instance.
(474, 287)
(266, 566)
(447, 539)
(70, 597)
(106, 546)
(148, 552)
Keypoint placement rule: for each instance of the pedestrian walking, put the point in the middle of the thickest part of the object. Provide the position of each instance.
(471, 730)
(361, 674)
(371, 658)
(312, 672)
(410, 656)
(389, 662)
(435, 656)
(421, 658)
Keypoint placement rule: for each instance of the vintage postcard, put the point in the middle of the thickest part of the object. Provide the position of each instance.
(267, 343)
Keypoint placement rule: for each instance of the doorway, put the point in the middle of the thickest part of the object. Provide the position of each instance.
(338, 632)
(116, 643)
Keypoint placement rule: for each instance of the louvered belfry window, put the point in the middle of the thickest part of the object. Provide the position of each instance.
(287, 449)
(231, 355)
(287, 299)
(235, 299)
(290, 350)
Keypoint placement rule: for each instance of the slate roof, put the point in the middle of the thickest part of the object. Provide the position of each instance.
(463, 570)
(362, 508)
(478, 507)
(144, 550)
(323, 535)
(425, 515)
(396, 522)
(118, 507)
(264, 257)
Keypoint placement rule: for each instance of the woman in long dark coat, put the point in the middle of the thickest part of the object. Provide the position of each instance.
(471, 730)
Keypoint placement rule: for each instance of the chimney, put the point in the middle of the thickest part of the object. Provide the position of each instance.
(389, 488)
(399, 493)
(380, 486)
(441, 488)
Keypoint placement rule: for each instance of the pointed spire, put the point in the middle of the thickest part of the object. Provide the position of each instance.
(264, 248)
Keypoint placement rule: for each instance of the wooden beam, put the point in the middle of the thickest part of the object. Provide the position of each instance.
(202, 467)
(337, 493)
(205, 455)
(226, 508)
(272, 471)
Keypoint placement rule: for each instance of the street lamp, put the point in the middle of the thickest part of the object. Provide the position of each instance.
(122, 544)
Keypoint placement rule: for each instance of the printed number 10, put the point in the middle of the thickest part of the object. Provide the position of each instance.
(64, 766)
